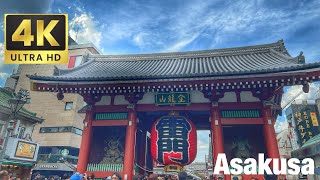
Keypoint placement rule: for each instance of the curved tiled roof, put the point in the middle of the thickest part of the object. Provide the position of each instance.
(266, 58)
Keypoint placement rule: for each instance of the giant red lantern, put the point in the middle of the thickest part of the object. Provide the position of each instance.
(173, 140)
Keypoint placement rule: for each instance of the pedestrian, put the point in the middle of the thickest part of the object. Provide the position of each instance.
(51, 178)
(153, 177)
(4, 175)
(78, 176)
(235, 178)
(37, 176)
(174, 177)
(135, 177)
(183, 175)
(116, 176)
(91, 176)
(220, 177)
(65, 176)
(145, 176)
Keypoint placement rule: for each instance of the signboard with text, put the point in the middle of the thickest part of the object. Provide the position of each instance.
(306, 122)
(25, 150)
(172, 99)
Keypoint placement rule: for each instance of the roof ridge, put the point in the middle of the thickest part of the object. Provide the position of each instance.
(283, 47)
(221, 51)
(61, 71)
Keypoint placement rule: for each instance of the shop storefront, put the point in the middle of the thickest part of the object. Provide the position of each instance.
(20, 157)
(53, 169)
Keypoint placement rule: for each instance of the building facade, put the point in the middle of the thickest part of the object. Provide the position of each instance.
(232, 92)
(60, 135)
(303, 119)
(309, 148)
(20, 150)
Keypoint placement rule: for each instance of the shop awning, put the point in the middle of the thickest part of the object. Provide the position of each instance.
(16, 163)
(53, 167)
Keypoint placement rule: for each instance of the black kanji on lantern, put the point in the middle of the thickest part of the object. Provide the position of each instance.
(173, 134)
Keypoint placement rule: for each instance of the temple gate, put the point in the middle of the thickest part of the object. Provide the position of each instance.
(234, 92)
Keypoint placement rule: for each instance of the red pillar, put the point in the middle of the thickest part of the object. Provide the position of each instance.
(217, 135)
(130, 145)
(85, 143)
(270, 135)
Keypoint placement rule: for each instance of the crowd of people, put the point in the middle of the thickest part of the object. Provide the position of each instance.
(5, 175)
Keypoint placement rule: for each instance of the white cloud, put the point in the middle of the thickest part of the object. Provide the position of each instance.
(296, 93)
(84, 29)
(203, 145)
(182, 43)
(280, 126)
(1, 55)
(149, 25)
(142, 39)
(3, 75)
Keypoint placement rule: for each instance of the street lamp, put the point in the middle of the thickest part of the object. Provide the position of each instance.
(16, 105)
(19, 101)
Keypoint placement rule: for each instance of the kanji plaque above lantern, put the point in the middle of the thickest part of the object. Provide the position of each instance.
(173, 140)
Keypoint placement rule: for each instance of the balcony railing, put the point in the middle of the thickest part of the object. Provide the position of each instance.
(105, 167)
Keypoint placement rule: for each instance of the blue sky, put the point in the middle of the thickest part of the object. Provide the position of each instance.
(146, 26)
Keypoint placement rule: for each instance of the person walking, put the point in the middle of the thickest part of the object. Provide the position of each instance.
(220, 177)
(116, 176)
(183, 175)
(4, 175)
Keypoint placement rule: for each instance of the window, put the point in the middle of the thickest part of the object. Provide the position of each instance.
(76, 131)
(49, 129)
(61, 129)
(21, 132)
(68, 106)
(1, 126)
(65, 129)
(74, 61)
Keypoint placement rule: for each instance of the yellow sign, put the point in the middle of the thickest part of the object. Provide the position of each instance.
(314, 119)
(36, 38)
(172, 168)
(25, 150)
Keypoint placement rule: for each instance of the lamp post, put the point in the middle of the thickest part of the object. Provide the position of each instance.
(16, 104)
(19, 101)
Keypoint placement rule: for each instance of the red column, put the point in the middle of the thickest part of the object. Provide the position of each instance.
(85, 143)
(217, 135)
(269, 133)
(130, 145)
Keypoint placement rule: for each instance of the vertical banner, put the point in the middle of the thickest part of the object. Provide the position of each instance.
(314, 119)
(305, 122)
